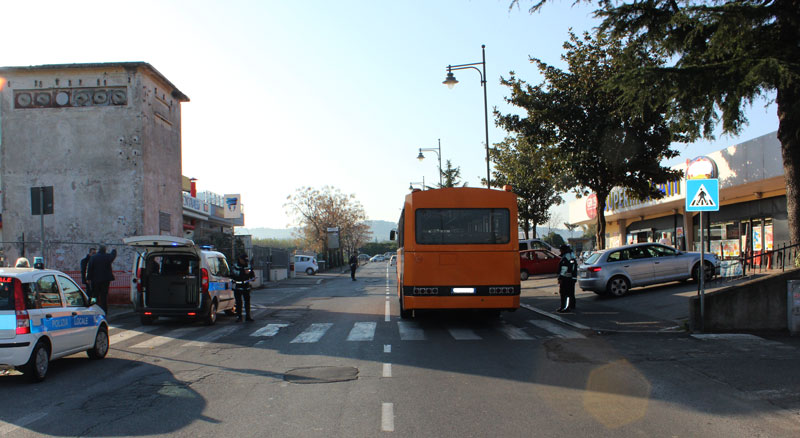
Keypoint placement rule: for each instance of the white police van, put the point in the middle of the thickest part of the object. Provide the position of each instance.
(176, 278)
(44, 315)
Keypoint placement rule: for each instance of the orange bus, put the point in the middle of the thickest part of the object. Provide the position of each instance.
(458, 249)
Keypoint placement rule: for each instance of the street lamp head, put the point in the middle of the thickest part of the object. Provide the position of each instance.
(420, 157)
(450, 81)
(410, 186)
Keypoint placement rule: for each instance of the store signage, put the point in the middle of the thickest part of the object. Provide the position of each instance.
(619, 199)
(233, 206)
(701, 168)
(702, 194)
(591, 206)
(194, 204)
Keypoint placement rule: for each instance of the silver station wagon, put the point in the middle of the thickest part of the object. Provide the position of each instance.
(615, 271)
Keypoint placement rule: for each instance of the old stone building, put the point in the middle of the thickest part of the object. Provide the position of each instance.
(107, 138)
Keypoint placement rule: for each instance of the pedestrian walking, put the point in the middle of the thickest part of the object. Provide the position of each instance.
(100, 274)
(84, 265)
(353, 266)
(242, 273)
(567, 276)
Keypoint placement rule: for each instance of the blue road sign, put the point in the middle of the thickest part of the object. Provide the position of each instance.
(702, 194)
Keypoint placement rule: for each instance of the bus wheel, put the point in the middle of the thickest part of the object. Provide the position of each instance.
(404, 314)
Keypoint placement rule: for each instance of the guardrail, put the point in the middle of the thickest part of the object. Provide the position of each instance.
(783, 257)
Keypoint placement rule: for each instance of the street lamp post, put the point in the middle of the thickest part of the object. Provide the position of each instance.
(451, 81)
(411, 184)
(438, 151)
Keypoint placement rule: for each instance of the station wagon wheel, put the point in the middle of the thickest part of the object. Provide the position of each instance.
(100, 348)
(212, 314)
(523, 275)
(708, 271)
(37, 365)
(618, 286)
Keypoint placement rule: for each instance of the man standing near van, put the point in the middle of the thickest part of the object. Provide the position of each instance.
(84, 265)
(241, 273)
(99, 274)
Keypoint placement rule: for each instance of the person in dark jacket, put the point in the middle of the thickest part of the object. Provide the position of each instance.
(100, 274)
(242, 273)
(567, 276)
(353, 265)
(84, 265)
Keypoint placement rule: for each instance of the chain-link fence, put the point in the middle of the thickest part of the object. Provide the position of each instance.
(270, 261)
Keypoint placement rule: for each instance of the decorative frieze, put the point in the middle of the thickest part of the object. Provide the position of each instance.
(70, 97)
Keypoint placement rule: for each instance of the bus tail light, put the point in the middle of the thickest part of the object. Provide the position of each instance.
(23, 319)
(204, 280)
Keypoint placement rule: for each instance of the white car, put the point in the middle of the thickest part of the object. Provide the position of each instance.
(307, 264)
(44, 315)
(378, 258)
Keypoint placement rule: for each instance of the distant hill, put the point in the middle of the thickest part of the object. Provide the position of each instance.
(380, 231)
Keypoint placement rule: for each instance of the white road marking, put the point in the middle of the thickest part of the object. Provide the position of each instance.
(7, 428)
(362, 331)
(211, 337)
(312, 334)
(514, 333)
(387, 370)
(462, 334)
(387, 417)
(409, 331)
(387, 312)
(157, 341)
(387, 348)
(122, 334)
(557, 329)
(269, 330)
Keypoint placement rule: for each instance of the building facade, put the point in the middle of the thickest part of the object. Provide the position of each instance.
(752, 216)
(107, 138)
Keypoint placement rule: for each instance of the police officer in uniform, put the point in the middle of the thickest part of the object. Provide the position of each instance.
(241, 273)
(567, 276)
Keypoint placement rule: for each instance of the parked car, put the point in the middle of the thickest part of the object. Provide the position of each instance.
(378, 258)
(176, 278)
(537, 261)
(393, 260)
(44, 315)
(307, 264)
(363, 258)
(615, 271)
(525, 245)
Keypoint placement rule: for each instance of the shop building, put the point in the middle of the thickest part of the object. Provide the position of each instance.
(752, 216)
(204, 213)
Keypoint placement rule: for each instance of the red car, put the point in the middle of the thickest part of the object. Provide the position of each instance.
(537, 261)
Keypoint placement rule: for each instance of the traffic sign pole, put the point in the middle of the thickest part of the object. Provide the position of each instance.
(702, 195)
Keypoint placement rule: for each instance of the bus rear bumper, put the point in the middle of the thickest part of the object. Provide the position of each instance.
(473, 302)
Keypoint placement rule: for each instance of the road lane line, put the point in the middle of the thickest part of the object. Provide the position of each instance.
(362, 331)
(22, 422)
(387, 370)
(211, 337)
(312, 333)
(157, 341)
(557, 329)
(514, 333)
(462, 334)
(387, 417)
(269, 330)
(387, 311)
(409, 331)
(387, 348)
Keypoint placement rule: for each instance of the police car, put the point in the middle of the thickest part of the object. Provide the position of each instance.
(44, 315)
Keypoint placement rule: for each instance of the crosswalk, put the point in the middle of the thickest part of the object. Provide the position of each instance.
(152, 337)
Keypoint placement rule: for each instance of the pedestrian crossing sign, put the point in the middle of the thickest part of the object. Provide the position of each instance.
(702, 194)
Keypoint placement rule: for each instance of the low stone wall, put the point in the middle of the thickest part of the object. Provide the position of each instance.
(752, 306)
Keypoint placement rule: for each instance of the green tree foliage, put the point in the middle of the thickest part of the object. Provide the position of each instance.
(317, 210)
(590, 139)
(374, 248)
(725, 54)
(288, 244)
(554, 239)
(520, 164)
(451, 176)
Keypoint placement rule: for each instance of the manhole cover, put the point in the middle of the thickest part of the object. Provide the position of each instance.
(321, 374)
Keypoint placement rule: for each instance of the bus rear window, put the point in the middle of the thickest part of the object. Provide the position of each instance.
(462, 226)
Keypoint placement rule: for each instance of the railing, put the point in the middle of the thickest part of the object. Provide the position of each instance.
(763, 260)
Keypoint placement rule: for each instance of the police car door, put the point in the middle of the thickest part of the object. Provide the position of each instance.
(84, 323)
(51, 318)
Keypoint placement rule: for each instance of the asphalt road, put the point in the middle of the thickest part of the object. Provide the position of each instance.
(330, 357)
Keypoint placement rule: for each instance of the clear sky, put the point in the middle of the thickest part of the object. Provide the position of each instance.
(286, 94)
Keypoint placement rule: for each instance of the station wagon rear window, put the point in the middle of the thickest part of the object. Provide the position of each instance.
(462, 226)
